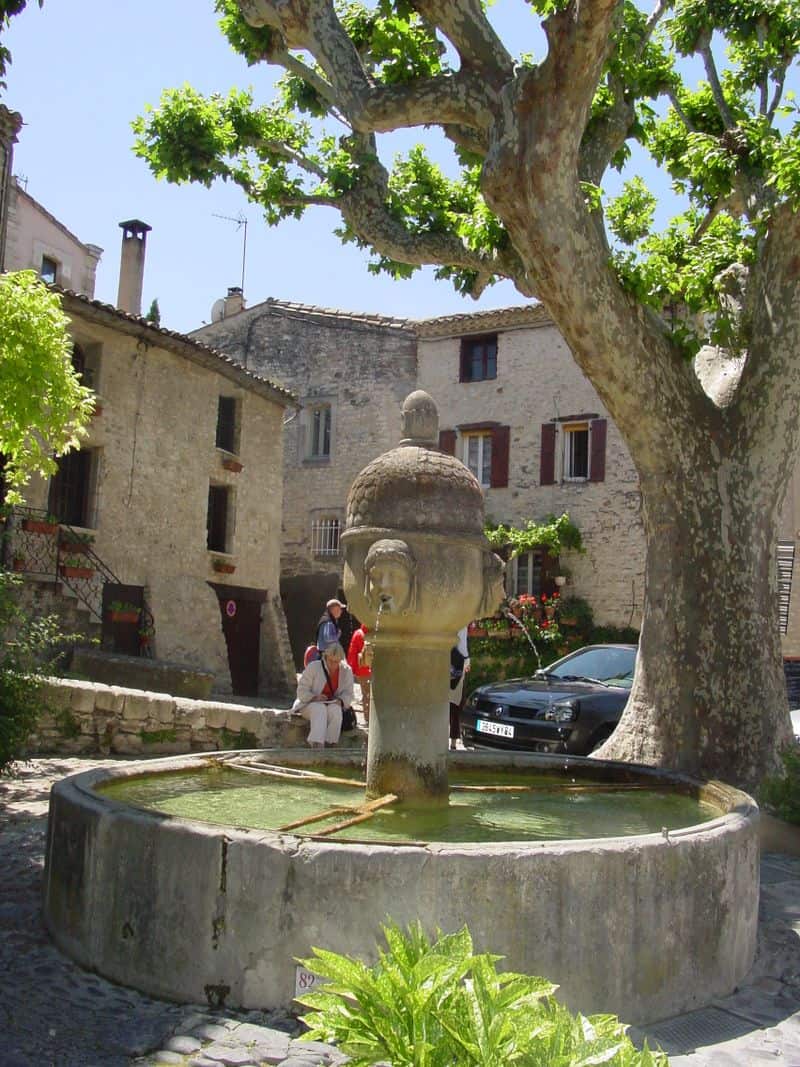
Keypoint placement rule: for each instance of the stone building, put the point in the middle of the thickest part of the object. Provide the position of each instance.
(179, 485)
(516, 408)
(350, 373)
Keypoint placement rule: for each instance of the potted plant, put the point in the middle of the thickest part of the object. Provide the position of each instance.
(20, 564)
(123, 611)
(223, 566)
(74, 566)
(46, 525)
(231, 464)
(146, 633)
(476, 628)
(76, 543)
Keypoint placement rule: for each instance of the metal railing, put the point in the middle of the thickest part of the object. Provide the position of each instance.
(37, 546)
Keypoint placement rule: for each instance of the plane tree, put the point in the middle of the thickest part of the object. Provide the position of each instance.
(689, 331)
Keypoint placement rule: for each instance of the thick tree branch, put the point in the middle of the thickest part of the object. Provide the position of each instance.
(780, 79)
(472, 35)
(461, 99)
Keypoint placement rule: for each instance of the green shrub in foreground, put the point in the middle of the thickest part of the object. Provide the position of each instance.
(436, 1004)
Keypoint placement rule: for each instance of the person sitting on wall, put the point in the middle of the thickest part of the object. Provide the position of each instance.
(324, 690)
(359, 657)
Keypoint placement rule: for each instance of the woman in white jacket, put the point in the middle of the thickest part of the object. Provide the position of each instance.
(324, 690)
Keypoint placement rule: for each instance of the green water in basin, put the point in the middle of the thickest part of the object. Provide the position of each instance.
(230, 797)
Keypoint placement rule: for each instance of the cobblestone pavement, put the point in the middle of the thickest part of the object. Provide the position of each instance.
(54, 1014)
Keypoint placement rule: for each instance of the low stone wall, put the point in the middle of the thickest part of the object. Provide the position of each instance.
(90, 717)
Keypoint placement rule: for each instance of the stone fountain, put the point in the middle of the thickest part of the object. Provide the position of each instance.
(418, 564)
(644, 924)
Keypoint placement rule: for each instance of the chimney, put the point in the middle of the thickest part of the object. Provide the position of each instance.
(131, 267)
(233, 302)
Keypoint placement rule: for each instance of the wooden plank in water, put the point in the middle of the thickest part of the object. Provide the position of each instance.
(365, 811)
(296, 775)
(599, 787)
(329, 813)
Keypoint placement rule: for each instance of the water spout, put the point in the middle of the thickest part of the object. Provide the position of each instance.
(518, 622)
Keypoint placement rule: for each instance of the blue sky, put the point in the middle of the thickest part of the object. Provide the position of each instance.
(83, 69)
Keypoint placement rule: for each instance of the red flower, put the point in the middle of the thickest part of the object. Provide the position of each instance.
(544, 624)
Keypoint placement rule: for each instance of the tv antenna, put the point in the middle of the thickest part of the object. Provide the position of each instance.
(241, 224)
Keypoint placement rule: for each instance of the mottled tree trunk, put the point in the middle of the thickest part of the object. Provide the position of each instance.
(709, 696)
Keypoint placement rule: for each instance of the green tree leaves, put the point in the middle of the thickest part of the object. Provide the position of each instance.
(44, 407)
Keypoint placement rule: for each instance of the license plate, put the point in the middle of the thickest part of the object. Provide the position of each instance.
(500, 729)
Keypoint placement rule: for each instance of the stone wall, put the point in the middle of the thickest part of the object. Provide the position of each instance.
(89, 717)
(537, 381)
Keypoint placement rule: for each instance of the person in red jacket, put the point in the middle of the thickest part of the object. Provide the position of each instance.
(359, 657)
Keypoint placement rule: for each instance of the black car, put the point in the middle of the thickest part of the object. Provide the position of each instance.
(571, 706)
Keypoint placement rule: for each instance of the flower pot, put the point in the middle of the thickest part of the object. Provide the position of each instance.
(479, 631)
(20, 565)
(569, 620)
(75, 548)
(68, 571)
(223, 568)
(232, 465)
(39, 526)
(98, 410)
(124, 616)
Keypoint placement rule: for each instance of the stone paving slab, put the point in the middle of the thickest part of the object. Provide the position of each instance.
(54, 1014)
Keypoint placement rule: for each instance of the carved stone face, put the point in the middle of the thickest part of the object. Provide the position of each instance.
(389, 570)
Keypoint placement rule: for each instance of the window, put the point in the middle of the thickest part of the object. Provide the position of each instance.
(527, 574)
(576, 452)
(70, 489)
(478, 358)
(533, 573)
(218, 521)
(478, 456)
(227, 424)
(580, 441)
(325, 536)
(320, 432)
(83, 366)
(49, 270)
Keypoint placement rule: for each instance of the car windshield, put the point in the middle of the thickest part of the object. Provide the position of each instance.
(611, 666)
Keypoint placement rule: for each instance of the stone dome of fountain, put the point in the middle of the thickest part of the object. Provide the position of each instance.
(414, 487)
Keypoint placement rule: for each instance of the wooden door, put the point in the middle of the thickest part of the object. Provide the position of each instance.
(240, 610)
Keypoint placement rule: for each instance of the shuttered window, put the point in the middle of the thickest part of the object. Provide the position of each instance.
(484, 448)
(478, 358)
(578, 456)
(478, 456)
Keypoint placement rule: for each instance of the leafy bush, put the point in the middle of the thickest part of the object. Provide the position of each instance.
(780, 796)
(28, 649)
(437, 1004)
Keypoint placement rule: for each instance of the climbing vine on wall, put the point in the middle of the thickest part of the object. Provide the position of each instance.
(554, 534)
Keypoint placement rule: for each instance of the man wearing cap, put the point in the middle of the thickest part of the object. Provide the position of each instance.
(328, 629)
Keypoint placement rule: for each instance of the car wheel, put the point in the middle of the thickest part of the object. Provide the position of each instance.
(601, 737)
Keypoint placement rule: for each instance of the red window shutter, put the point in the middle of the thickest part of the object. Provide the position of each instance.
(597, 459)
(501, 439)
(547, 459)
(447, 442)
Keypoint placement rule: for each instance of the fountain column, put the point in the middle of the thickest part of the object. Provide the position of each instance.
(417, 568)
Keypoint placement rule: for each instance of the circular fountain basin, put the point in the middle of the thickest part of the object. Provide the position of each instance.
(645, 925)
